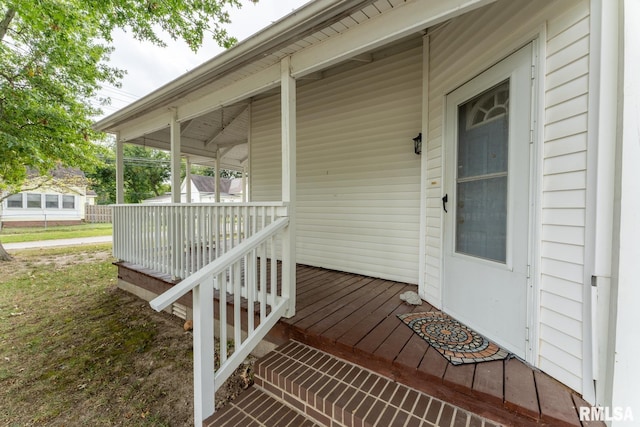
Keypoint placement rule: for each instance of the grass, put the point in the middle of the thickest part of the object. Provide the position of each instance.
(75, 350)
(31, 234)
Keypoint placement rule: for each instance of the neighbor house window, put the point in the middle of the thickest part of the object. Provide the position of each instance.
(52, 201)
(14, 201)
(68, 202)
(34, 201)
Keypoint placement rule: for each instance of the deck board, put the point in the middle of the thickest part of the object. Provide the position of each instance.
(489, 380)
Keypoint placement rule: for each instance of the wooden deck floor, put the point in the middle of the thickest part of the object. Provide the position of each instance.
(354, 317)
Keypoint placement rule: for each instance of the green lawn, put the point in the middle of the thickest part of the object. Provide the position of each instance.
(32, 234)
(76, 351)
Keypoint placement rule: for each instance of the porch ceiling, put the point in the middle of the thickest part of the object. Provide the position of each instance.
(220, 132)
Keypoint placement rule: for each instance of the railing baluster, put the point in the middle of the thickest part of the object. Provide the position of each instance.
(250, 283)
(237, 305)
(222, 285)
(274, 273)
(263, 282)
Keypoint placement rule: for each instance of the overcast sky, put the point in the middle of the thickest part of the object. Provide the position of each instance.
(149, 67)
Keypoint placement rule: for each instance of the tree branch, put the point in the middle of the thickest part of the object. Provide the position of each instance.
(6, 21)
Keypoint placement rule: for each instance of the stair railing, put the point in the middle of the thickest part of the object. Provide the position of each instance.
(245, 274)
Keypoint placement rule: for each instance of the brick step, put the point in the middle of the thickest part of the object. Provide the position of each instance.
(334, 392)
(256, 408)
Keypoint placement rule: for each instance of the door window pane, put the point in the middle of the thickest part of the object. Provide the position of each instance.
(34, 201)
(52, 201)
(14, 201)
(482, 174)
(68, 202)
(481, 218)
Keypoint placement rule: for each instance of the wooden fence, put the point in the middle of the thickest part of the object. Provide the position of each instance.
(98, 214)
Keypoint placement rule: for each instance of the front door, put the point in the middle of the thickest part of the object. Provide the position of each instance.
(487, 202)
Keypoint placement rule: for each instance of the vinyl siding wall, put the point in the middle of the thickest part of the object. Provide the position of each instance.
(358, 178)
(480, 39)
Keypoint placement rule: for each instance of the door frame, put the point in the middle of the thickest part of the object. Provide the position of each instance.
(534, 199)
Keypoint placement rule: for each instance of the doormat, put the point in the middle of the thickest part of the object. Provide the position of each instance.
(456, 342)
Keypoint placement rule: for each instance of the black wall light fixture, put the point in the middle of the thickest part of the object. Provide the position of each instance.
(417, 144)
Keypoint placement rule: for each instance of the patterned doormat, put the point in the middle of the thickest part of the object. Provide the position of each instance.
(456, 342)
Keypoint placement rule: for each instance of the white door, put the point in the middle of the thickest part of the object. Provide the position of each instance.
(487, 137)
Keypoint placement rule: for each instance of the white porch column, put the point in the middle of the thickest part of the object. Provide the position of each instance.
(188, 180)
(175, 158)
(422, 249)
(119, 170)
(625, 292)
(288, 107)
(217, 176)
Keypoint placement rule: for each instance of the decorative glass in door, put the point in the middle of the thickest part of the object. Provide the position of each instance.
(482, 175)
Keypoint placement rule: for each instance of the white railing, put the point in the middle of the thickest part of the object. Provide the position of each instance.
(179, 239)
(243, 274)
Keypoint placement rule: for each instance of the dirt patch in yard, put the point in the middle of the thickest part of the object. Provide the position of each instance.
(75, 350)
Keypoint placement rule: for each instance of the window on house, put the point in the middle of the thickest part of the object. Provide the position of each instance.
(14, 201)
(34, 201)
(68, 202)
(52, 201)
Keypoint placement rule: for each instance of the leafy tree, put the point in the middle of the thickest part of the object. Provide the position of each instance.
(53, 60)
(146, 173)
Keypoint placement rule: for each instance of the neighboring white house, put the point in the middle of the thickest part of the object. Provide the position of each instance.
(203, 190)
(59, 200)
(520, 215)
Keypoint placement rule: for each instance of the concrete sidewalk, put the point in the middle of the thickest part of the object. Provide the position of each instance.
(58, 242)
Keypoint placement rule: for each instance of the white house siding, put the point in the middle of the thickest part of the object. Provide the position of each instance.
(459, 51)
(564, 195)
(358, 177)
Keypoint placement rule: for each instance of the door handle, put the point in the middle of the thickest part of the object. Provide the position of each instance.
(445, 199)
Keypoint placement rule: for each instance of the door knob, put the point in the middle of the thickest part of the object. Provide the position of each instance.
(445, 199)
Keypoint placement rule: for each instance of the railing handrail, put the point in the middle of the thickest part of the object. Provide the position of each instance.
(228, 204)
(218, 265)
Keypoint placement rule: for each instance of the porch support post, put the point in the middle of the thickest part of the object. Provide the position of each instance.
(217, 195)
(625, 292)
(422, 261)
(203, 369)
(187, 180)
(288, 110)
(175, 157)
(119, 169)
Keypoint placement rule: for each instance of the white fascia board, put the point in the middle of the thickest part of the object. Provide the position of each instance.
(242, 89)
(386, 28)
